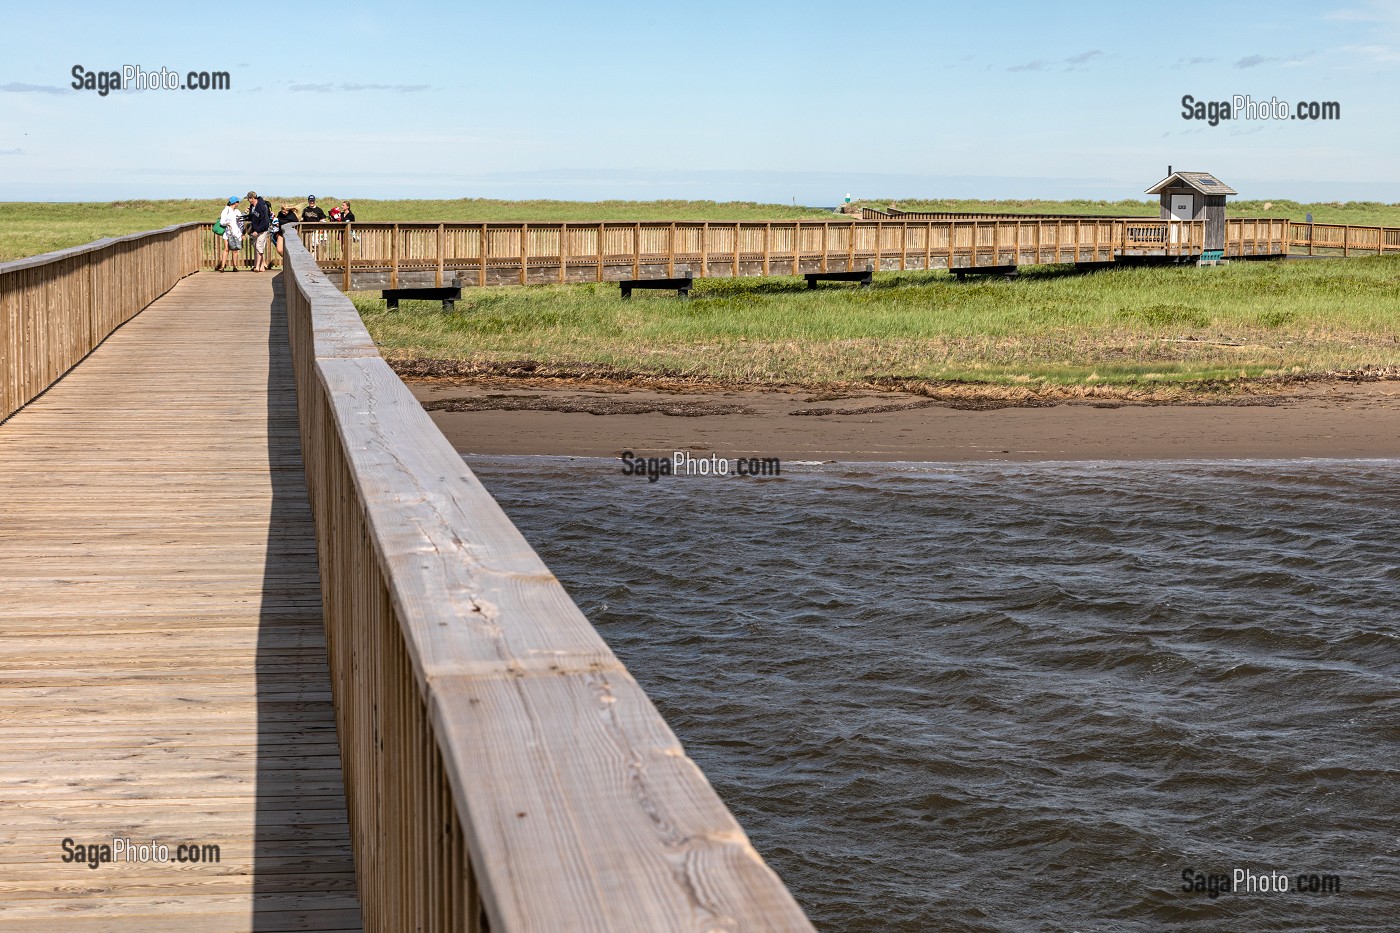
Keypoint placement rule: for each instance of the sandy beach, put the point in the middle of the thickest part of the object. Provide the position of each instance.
(515, 416)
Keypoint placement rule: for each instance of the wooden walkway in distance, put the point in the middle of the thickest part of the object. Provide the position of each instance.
(162, 661)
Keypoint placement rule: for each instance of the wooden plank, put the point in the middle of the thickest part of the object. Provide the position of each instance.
(174, 686)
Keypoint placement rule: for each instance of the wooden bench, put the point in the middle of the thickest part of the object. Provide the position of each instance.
(866, 277)
(962, 272)
(681, 285)
(447, 293)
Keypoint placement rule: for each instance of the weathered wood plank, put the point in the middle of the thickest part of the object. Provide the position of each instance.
(162, 658)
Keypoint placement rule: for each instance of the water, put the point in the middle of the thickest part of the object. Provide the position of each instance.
(998, 697)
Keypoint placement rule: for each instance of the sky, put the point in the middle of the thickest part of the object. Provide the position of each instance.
(801, 102)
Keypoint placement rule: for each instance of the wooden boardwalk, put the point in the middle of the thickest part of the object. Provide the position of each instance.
(162, 661)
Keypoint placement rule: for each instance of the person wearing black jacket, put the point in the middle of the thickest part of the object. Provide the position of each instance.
(287, 215)
(259, 223)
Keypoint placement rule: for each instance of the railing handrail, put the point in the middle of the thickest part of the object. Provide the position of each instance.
(29, 262)
(579, 807)
(57, 306)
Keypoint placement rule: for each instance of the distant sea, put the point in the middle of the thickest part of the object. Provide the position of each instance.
(994, 697)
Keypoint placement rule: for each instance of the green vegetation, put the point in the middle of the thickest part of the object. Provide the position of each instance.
(1125, 327)
(27, 228)
(1141, 326)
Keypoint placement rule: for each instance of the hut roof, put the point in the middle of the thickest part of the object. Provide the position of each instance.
(1204, 182)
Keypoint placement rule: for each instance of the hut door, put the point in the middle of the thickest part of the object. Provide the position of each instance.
(1183, 207)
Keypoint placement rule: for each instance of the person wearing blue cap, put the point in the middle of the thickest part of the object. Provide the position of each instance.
(232, 222)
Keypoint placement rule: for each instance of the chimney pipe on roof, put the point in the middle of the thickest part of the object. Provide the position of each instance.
(1169, 171)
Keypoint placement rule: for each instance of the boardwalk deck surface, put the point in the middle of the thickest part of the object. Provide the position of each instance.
(162, 662)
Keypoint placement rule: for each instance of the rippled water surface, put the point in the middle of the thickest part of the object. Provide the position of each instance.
(1016, 697)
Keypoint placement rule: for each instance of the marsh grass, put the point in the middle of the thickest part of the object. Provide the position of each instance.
(27, 228)
(1052, 326)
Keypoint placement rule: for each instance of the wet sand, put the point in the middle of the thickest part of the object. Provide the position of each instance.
(512, 416)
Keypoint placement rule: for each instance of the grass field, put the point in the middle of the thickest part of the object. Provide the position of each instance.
(27, 228)
(1124, 327)
(1140, 326)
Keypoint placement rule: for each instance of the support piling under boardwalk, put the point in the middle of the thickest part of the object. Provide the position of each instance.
(162, 659)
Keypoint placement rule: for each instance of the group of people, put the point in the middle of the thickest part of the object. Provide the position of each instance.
(262, 227)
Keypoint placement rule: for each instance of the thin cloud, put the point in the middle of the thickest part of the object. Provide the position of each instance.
(336, 88)
(1254, 61)
(1068, 64)
(1193, 60)
(17, 87)
(1377, 53)
(4, 152)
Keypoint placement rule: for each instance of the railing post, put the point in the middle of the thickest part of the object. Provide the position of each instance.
(481, 278)
(767, 242)
(736, 249)
(904, 246)
(796, 247)
(826, 236)
(973, 259)
(704, 249)
(879, 235)
(671, 251)
(637, 251)
(524, 252)
(851, 246)
(442, 254)
(928, 246)
(563, 253)
(345, 258)
(393, 258)
(599, 244)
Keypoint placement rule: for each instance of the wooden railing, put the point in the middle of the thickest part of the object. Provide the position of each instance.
(55, 308)
(372, 255)
(500, 762)
(1329, 239)
(1256, 236)
(870, 213)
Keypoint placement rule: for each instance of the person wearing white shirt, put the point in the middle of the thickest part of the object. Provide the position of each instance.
(233, 236)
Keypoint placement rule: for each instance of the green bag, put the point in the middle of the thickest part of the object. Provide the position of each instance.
(219, 229)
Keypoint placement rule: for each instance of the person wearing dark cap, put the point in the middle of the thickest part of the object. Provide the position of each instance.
(312, 214)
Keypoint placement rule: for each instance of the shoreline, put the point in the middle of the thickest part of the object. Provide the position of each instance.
(1316, 419)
